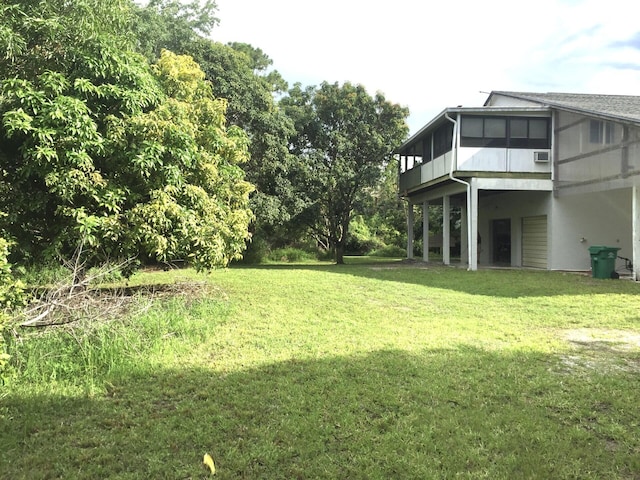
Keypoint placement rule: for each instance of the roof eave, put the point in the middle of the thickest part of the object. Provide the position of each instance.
(455, 110)
(559, 106)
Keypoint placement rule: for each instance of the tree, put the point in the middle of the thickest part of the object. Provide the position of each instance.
(171, 25)
(383, 210)
(345, 138)
(241, 74)
(96, 145)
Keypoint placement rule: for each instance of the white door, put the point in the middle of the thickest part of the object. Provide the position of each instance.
(534, 241)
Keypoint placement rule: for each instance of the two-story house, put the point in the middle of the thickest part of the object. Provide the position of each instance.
(537, 179)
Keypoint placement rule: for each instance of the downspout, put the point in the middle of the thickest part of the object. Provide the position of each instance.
(454, 162)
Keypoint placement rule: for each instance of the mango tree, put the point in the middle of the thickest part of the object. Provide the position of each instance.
(98, 145)
(345, 138)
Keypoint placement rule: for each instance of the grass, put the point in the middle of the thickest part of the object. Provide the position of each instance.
(365, 370)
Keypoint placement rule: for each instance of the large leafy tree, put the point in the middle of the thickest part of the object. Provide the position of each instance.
(97, 145)
(384, 211)
(171, 25)
(242, 74)
(345, 138)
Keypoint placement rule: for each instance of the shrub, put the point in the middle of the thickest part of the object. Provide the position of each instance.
(389, 251)
(360, 240)
(291, 254)
(43, 274)
(11, 295)
(257, 252)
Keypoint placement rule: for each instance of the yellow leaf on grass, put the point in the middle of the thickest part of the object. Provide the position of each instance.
(208, 461)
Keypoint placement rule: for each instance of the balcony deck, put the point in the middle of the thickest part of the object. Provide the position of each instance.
(477, 162)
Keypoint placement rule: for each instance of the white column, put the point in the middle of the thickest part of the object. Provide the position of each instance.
(425, 231)
(446, 227)
(472, 205)
(635, 226)
(410, 230)
(464, 235)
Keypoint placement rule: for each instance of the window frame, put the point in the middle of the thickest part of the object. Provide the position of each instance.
(508, 141)
(601, 132)
(442, 139)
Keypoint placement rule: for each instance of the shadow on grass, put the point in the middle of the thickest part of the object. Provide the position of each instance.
(435, 414)
(509, 283)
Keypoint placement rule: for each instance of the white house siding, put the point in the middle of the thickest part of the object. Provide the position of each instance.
(483, 159)
(589, 200)
(510, 160)
(593, 190)
(580, 221)
(436, 168)
(523, 160)
(501, 101)
(585, 166)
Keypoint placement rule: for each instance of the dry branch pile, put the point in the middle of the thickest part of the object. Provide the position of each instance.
(91, 295)
(79, 296)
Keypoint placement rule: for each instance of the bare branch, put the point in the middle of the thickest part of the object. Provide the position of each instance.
(79, 296)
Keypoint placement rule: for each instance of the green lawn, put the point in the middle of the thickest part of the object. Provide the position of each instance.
(362, 371)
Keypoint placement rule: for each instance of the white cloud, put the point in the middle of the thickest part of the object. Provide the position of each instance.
(432, 55)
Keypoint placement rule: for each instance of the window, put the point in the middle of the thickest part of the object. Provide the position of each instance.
(504, 132)
(529, 133)
(483, 132)
(426, 151)
(442, 139)
(416, 152)
(539, 128)
(472, 127)
(601, 132)
(519, 128)
(495, 131)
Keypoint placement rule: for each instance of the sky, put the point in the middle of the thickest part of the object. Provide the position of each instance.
(430, 55)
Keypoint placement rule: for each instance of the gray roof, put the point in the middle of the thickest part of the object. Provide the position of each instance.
(621, 107)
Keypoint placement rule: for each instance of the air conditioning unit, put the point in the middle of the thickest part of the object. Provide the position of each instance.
(541, 157)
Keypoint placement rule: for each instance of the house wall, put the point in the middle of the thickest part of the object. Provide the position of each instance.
(436, 168)
(514, 206)
(600, 218)
(500, 101)
(583, 165)
(512, 160)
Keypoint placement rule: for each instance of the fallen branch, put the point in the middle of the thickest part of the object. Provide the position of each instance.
(79, 296)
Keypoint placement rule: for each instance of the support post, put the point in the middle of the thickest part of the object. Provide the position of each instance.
(446, 229)
(635, 225)
(410, 230)
(472, 205)
(425, 231)
(464, 235)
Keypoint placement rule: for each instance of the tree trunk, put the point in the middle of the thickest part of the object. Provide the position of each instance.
(339, 256)
(342, 238)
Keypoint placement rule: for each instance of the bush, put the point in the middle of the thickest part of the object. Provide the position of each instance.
(256, 252)
(389, 251)
(360, 240)
(291, 254)
(42, 275)
(11, 295)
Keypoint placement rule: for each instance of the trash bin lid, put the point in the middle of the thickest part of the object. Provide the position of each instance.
(595, 249)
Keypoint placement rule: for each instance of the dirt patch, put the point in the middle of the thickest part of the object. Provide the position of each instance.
(602, 350)
(615, 339)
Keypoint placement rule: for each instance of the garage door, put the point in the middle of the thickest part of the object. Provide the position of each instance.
(534, 241)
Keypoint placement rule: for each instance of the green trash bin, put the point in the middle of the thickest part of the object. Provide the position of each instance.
(603, 261)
